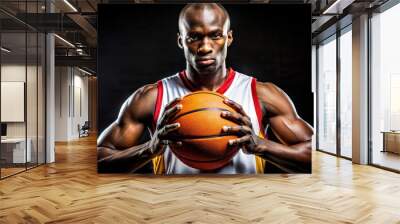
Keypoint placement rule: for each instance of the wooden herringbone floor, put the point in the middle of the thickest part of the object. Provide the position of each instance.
(70, 191)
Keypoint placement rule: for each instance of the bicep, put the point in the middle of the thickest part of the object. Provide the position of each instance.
(290, 130)
(122, 136)
(123, 133)
(132, 121)
(283, 119)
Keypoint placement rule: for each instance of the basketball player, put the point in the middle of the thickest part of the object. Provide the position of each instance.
(204, 36)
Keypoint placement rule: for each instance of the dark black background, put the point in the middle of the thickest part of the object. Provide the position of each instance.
(137, 46)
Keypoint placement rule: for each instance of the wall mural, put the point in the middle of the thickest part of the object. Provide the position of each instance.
(204, 88)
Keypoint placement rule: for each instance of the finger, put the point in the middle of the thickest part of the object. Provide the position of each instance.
(239, 141)
(176, 100)
(236, 117)
(239, 130)
(171, 143)
(175, 143)
(168, 129)
(235, 106)
(169, 113)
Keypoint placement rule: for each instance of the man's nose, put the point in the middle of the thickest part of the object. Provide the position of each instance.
(205, 47)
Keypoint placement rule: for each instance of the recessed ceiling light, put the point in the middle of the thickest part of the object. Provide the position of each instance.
(5, 50)
(84, 71)
(337, 7)
(70, 5)
(65, 41)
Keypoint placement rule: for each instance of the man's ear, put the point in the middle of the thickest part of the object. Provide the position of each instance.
(179, 41)
(230, 37)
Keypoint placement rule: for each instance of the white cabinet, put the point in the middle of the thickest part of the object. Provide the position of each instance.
(17, 147)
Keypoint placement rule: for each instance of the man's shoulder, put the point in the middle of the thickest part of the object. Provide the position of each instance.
(273, 98)
(140, 104)
(149, 92)
(267, 88)
(145, 92)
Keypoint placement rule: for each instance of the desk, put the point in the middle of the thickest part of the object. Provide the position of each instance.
(13, 150)
(391, 141)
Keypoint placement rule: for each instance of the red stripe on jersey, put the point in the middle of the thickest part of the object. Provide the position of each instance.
(257, 104)
(228, 81)
(157, 106)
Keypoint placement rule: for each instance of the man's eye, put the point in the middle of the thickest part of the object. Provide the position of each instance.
(192, 38)
(217, 36)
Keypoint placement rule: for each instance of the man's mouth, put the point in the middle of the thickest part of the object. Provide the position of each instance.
(205, 61)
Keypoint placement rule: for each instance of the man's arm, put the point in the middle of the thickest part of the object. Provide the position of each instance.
(117, 146)
(293, 132)
(294, 150)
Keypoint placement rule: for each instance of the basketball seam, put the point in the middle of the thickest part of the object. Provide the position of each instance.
(206, 92)
(191, 137)
(198, 110)
(233, 151)
(203, 162)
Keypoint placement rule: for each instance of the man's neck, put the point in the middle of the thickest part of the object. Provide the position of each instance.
(210, 82)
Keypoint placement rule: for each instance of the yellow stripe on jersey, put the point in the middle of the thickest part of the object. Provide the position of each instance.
(260, 162)
(260, 165)
(158, 165)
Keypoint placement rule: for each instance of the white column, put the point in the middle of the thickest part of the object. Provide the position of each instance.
(50, 110)
(360, 90)
(50, 93)
(314, 90)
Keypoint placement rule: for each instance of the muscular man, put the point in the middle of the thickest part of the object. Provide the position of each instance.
(204, 36)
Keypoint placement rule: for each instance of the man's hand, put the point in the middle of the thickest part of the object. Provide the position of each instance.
(292, 158)
(247, 140)
(161, 137)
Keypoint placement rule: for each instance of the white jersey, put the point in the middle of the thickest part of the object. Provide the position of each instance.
(237, 87)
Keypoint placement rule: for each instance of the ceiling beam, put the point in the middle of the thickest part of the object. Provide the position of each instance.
(83, 61)
(65, 6)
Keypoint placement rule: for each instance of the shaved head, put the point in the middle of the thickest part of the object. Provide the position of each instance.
(207, 11)
(204, 36)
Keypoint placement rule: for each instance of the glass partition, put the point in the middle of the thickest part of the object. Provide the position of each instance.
(41, 107)
(13, 105)
(346, 93)
(22, 88)
(327, 95)
(385, 88)
(31, 100)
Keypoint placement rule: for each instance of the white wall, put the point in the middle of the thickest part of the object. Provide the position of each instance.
(71, 102)
(80, 110)
(12, 73)
(61, 103)
(33, 126)
(16, 72)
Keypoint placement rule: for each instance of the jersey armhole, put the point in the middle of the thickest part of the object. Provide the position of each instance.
(260, 162)
(157, 106)
(158, 161)
(257, 105)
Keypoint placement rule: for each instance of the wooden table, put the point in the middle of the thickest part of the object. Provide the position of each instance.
(391, 141)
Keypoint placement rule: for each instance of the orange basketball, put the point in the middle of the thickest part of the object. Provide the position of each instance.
(205, 146)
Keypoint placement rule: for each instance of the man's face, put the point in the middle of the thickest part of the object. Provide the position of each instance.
(205, 38)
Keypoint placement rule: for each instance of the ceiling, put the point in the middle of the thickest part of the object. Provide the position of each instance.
(76, 22)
